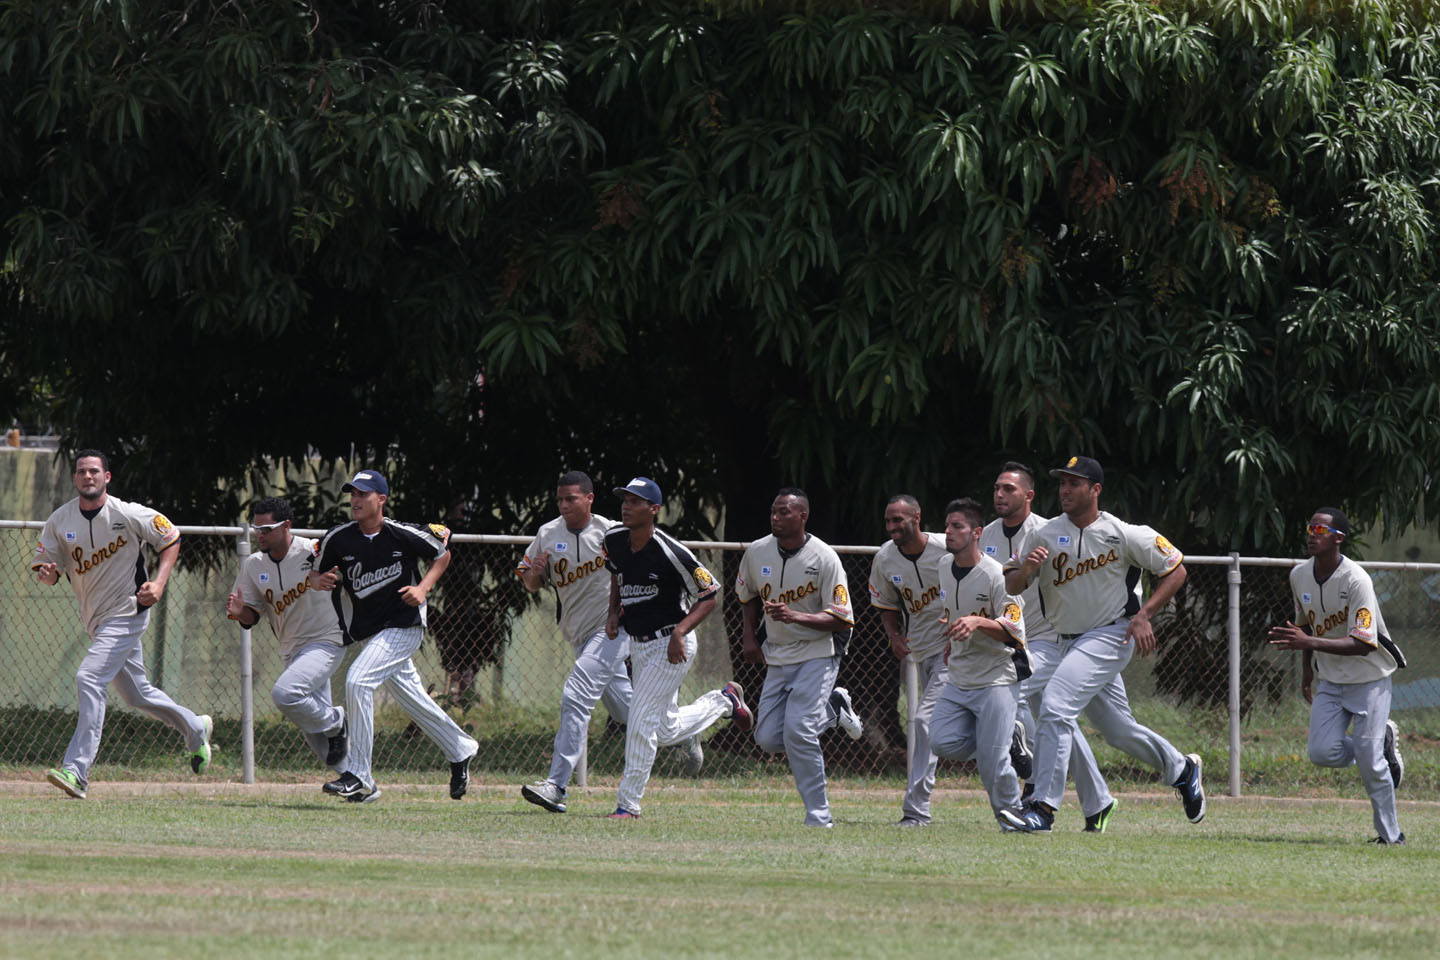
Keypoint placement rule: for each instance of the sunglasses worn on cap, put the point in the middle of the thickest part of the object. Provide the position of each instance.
(1319, 529)
(267, 527)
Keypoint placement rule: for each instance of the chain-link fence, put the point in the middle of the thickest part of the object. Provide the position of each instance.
(494, 657)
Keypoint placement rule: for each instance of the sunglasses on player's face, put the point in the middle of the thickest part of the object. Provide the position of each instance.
(1319, 529)
(267, 527)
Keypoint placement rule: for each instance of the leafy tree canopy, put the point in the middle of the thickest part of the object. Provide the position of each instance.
(862, 247)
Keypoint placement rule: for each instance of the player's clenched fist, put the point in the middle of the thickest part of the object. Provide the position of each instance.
(413, 595)
(150, 592)
(48, 574)
(323, 581)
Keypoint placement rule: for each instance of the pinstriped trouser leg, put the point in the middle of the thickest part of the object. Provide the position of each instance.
(599, 668)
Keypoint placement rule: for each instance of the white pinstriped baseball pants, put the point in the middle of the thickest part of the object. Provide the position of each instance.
(386, 660)
(1090, 787)
(116, 654)
(302, 693)
(656, 718)
(598, 674)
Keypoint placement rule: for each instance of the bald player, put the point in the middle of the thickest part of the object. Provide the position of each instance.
(986, 661)
(1014, 495)
(95, 541)
(796, 583)
(1087, 563)
(273, 585)
(1339, 627)
(905, 588)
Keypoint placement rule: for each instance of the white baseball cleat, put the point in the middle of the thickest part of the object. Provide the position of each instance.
(694, 757)
(845, 714)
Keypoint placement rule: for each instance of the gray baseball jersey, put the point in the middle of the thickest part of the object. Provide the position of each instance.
(1089, 579)
(576, 569)
(810, 580)
(279, 592)
(979, 591)
(1000, 543)
(1344, 606)
(101, 554)
(910, 587)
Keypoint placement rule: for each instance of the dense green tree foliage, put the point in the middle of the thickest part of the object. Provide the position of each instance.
(862, 247)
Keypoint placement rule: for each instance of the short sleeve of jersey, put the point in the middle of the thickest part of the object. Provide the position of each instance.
(47, 548)
(702, 582)
(883, 594)
(1010, 610)
(155, 528)
(327, 556)
(248, 589)
(1151, 550)
(531, 552)
(1364, 603)
(745, 591)
(836, 590)
(614, 540)
(430, 541)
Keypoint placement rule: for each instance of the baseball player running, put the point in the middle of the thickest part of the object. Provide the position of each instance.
(1014, 494)
(95, 541)
(569, 554)
(659, 594)
(796, 582)
(1090, 563)
(273, 584)
(905, 588)
(381, 577)
(986, 661)
(1342, 632)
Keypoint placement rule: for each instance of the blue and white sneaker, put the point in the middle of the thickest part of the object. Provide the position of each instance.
(1033, 819)
(1192, 789)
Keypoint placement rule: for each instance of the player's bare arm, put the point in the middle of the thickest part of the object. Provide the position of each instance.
(47, 573)
(533, 576)
(612, 622)
(236, 610)
(151, 590)
(675, 651)
(323, 581)
(749, 646)
(416, 594)
(963, 628)
(1292, 637)
(899, 643)
(1307, 676)
(1140, 629)
(1018, 579)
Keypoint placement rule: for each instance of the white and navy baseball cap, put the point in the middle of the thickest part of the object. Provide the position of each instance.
(367, 481)
(1083, 467)
(642, 487)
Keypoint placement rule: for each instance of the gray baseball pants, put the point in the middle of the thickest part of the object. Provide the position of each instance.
(598, 674)
(1367, 706)
(385, 660)
(1088, 678)
(931, 679)
(794, 709)
(656, 717)
(980, 724)
(302, 693)
(1090, 787)
(117, 654)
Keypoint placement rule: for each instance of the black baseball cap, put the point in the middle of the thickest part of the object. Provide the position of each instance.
(367, 481)
(1083, 467)
(642, 487)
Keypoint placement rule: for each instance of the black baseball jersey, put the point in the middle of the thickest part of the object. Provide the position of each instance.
(659, 584)
(373, 569)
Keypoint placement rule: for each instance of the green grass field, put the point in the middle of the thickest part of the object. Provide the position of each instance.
(719, 869)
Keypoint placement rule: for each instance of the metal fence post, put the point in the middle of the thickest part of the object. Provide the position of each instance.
(912, 707)
(247, 681)
(1233, 629)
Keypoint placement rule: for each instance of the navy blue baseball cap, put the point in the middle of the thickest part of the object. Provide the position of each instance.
(642, 487)
(367, 481)
(1082, 467)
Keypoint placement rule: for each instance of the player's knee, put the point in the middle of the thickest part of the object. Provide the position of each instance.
(768, 741)
(1328, 754)
(797, 737)
(284, 695)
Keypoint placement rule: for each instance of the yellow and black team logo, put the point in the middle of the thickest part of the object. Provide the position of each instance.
(1163, 545)
(1363, 619)
(1012, 612)
(440, 531)
(1072, 461)
(841, 596)
(162, 524)
(702, 577)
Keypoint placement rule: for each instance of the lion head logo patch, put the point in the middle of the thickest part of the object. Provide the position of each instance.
(162, 524)
(1363, 620)
(702, 577)
(841, 596)
(1163, 545)
(1012, 612)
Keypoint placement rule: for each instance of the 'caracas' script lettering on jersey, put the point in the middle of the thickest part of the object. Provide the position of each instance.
(83, 566)
(361, 580)
(638, 592)
(1064, 574)
(564, 576)
(789, 596)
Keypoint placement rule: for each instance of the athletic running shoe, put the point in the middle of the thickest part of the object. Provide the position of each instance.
(622, 814)
(545, 794)
(200, 759)
(1020, 756)
(67, 781)
(1192, 789)
(1033, 818)
(1097, 822)
(460, 777)
(1397, 842)
(365, 797)
(694, 757)
(1011, 822)
(740, 714)
(911, 822)
(337, 745)
(348, 786)
(845, 714)
(1392, 753)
